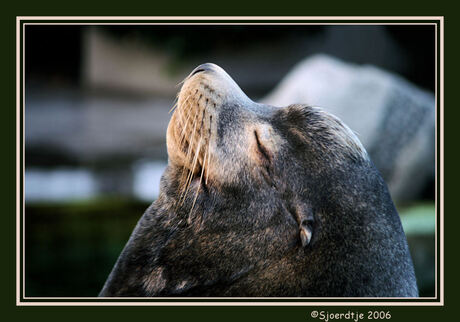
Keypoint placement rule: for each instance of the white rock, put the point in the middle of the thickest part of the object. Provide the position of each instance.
(394, 120)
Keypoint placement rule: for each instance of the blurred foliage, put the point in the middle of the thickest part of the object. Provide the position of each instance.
(419, 219)
(71, 247)
(419, 223)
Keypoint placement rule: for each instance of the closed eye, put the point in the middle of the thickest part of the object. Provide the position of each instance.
(263, 151)
(264, 157)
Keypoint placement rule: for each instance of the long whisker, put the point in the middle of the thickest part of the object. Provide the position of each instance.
(182, 82)
(184, 128)
(195, 144)
(188, 158)
(183, 104)
(199, 186)
(184, 124)
(176, 99)
(195, 160)
(182, 134)
(208, 150)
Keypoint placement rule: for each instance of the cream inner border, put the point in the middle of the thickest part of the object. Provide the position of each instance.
(245, 20)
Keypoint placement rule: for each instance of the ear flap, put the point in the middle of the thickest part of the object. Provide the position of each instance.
(303, 214)
(306, 232)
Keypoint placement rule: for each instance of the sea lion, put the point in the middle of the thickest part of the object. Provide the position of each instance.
(262, 201)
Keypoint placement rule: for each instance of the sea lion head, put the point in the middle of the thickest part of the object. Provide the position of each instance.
(260, 200)
(220, 140)
(217, 132)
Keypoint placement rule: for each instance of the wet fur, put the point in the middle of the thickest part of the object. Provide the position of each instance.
(271, 173)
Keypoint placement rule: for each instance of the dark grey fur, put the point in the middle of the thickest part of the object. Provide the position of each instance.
(242, 237)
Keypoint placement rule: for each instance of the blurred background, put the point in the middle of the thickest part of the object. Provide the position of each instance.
(96, 112)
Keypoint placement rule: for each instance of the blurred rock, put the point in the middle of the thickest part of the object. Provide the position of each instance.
(91, 129)
(129, 65)
(394, 119)
(94, 137)
(111, 130)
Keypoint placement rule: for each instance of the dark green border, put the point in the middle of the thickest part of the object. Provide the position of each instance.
(229, 20)
(246, 22)
(275, 313)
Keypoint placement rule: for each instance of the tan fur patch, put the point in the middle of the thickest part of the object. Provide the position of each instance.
(262, 136)
(155, 282)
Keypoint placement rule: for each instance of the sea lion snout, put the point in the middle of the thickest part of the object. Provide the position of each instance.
(206, 122)
(216, 79)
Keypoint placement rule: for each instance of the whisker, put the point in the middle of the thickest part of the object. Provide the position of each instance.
(209, 151)
(194, 137)
(191, 173)
(184, 102)
(195, 160)
(190, 147)
(187, 157)
(173, 108)
(182, 134)
(182, 82)
(199, 186)
(182, 120)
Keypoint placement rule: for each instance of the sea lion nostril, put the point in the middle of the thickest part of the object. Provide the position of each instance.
(196, 71)
(202, 68)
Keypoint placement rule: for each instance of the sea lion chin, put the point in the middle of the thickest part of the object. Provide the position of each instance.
(259, 200)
